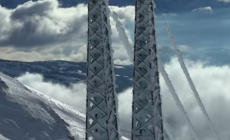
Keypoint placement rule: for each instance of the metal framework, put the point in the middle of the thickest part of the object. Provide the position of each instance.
(101, 112)
(147, 112)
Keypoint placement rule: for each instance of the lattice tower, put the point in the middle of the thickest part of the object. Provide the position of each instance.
(101, 112)
(147, 112)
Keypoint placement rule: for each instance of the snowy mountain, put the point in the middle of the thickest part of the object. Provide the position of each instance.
(63, 72)
(26, 114)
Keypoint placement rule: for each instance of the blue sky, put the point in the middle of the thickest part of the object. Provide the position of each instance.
(201, 29)
(203, 33)
(164, 5)
(206, 34)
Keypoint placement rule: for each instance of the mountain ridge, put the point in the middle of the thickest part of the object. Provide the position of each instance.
(31, 115)
(63, 72)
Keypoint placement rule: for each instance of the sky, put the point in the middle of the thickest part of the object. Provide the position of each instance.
(57, 30)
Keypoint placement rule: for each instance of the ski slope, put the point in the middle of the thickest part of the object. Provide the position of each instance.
(26, 114)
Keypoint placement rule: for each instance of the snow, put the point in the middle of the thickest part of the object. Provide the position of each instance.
(3, 138)
(65, 64)
(175, 97)
(29, 114)
(118, 67)
(33, 115)
(79, 71)
(188, 77)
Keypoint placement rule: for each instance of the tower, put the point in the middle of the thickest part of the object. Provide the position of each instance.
(101, 111)
(147, 112)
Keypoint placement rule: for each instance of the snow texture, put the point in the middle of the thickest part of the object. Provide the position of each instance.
(31, 115)
(175, 97)
(188, 77)
(3, 138)
(123, 36)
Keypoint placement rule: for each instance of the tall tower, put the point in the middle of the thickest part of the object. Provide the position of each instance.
(147, 112)
(101, 112)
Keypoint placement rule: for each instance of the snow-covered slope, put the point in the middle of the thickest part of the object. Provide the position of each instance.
(63, 72)
(26, 114)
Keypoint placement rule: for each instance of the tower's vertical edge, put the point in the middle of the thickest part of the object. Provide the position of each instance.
(101, 111)
(147, 112)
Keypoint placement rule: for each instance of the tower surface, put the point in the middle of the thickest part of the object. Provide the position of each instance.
(147, 112)
(101, 111)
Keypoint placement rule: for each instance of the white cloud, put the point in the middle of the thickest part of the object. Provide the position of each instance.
(203, 9)
(226, 1)
(170, 14)
(44, 30)
(75, 95)
(49, 32)
(42, 23)
(126, 14)
(212, 83)
(183, 48)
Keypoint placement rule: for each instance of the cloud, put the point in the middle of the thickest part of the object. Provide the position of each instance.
(203, 9)
(42, 23)
(225, 1)
(75, 95)
(45, 30)
(48, 31)
(212, 85)
(185, 6)
(50, 53)
(126, 13)
(198, 31)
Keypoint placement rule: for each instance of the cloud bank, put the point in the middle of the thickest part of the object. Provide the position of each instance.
(48, 31)
(75, 95)
(212, 83)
